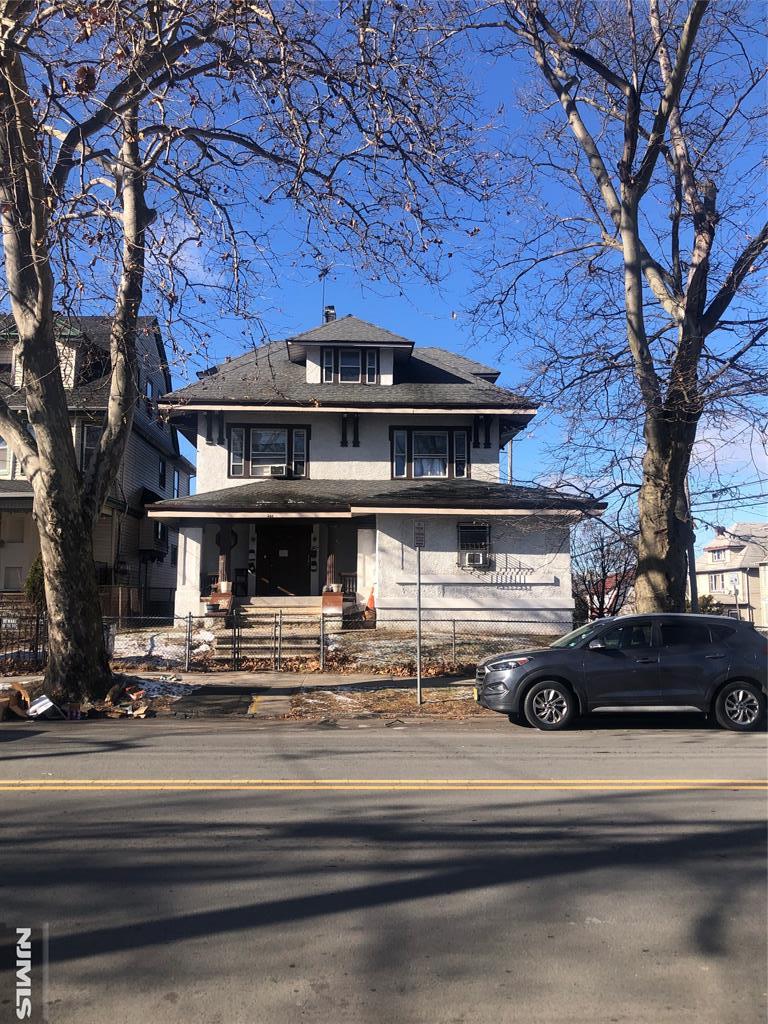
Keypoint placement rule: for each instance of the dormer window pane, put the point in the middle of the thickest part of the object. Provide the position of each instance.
(430, 454)
(371, 366)
(349, 366)
(327, 366)
(718, 555)
(5, 458)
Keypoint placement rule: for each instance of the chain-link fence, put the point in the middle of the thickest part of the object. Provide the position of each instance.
(253, 640)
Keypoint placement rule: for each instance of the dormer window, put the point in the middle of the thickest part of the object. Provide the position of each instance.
(718, 555)
(341, 365)
(349, 366)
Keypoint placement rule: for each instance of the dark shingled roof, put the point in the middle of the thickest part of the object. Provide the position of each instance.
(341, 495)
(431, 378)
(349, 329)
(15, 495)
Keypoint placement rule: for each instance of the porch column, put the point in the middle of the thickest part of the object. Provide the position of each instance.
(188, 570)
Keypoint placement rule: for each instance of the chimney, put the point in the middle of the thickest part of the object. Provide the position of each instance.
(329, 314)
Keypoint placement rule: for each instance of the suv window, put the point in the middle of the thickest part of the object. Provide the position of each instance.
(721, 633)
(633, 634)
(680, 634)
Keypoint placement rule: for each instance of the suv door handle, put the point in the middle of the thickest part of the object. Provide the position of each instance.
(712, 657)
(645, 661)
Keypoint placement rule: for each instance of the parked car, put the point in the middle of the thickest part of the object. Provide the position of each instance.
(711, 663)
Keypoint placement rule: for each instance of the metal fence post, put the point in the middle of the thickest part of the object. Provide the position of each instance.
(274, 641)
(322, 642)
(280, 641)
(453, 645)
(188, 643)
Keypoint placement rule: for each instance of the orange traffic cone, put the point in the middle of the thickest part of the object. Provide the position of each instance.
(370, 607)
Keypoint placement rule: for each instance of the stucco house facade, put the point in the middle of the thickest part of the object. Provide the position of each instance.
(324, 459)
(732, 570)
(135, 556)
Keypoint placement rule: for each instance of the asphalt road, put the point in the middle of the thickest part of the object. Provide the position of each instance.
(582, 877)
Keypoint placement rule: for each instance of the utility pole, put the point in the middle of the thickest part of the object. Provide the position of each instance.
(419, 537)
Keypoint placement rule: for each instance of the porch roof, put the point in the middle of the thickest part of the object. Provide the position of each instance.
(344, 498)
(15, 495)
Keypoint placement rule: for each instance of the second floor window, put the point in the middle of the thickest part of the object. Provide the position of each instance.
(421, 454)
(176, 483)
(718, 555)
(268, 451)
(162, 475)
(716, 582)
(5, 458)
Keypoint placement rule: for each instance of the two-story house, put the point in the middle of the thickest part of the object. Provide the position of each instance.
(135, 556)
(325, 459)
(730, 571)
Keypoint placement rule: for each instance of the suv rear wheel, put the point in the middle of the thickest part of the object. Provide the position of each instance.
(740, 706)
(549, 705)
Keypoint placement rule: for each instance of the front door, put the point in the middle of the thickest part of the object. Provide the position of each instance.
(282, 559)
(625, 670)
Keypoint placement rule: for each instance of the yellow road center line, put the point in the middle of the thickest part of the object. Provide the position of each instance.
(381, 785)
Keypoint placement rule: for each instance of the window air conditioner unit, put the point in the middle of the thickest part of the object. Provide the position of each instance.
(278, 470)
(475, 559)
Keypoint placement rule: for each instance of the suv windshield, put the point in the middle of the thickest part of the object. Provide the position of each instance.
(574, 639)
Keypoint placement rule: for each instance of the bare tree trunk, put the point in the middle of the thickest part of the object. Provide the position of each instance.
(665, 529)
(77, 660)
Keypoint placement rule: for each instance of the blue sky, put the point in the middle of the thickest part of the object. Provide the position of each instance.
(292, 300)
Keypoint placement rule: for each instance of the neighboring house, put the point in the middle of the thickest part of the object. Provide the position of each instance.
(735, 557)
(135, 557)
(614, 595)
(324, 459)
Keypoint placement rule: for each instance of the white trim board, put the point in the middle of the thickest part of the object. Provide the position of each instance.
(395, 410)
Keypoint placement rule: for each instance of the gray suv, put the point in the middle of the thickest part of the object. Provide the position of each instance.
(707, 662)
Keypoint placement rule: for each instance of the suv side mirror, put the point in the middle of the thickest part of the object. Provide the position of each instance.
(596, 645)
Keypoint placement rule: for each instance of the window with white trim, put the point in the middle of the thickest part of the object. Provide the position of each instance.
(237, 451)
(718, 555)
(328, 365)
(176, 483)
(430, 453)
(299, 465)
(349, 366)
(400, 453)
(5, 458)
(717, 582)
(460, 453)
(371, 366)
(89, 443)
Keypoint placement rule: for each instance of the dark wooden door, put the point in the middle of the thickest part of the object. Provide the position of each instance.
(282, 559)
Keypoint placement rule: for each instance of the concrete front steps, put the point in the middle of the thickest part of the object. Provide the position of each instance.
(276, 627)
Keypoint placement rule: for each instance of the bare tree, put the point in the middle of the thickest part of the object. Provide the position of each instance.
(629, 248)
(130, 131)
(603, 568)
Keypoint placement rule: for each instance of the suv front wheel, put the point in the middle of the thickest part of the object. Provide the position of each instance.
(549, 705)
(740, 706)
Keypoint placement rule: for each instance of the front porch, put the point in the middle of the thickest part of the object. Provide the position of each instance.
(263, 563)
